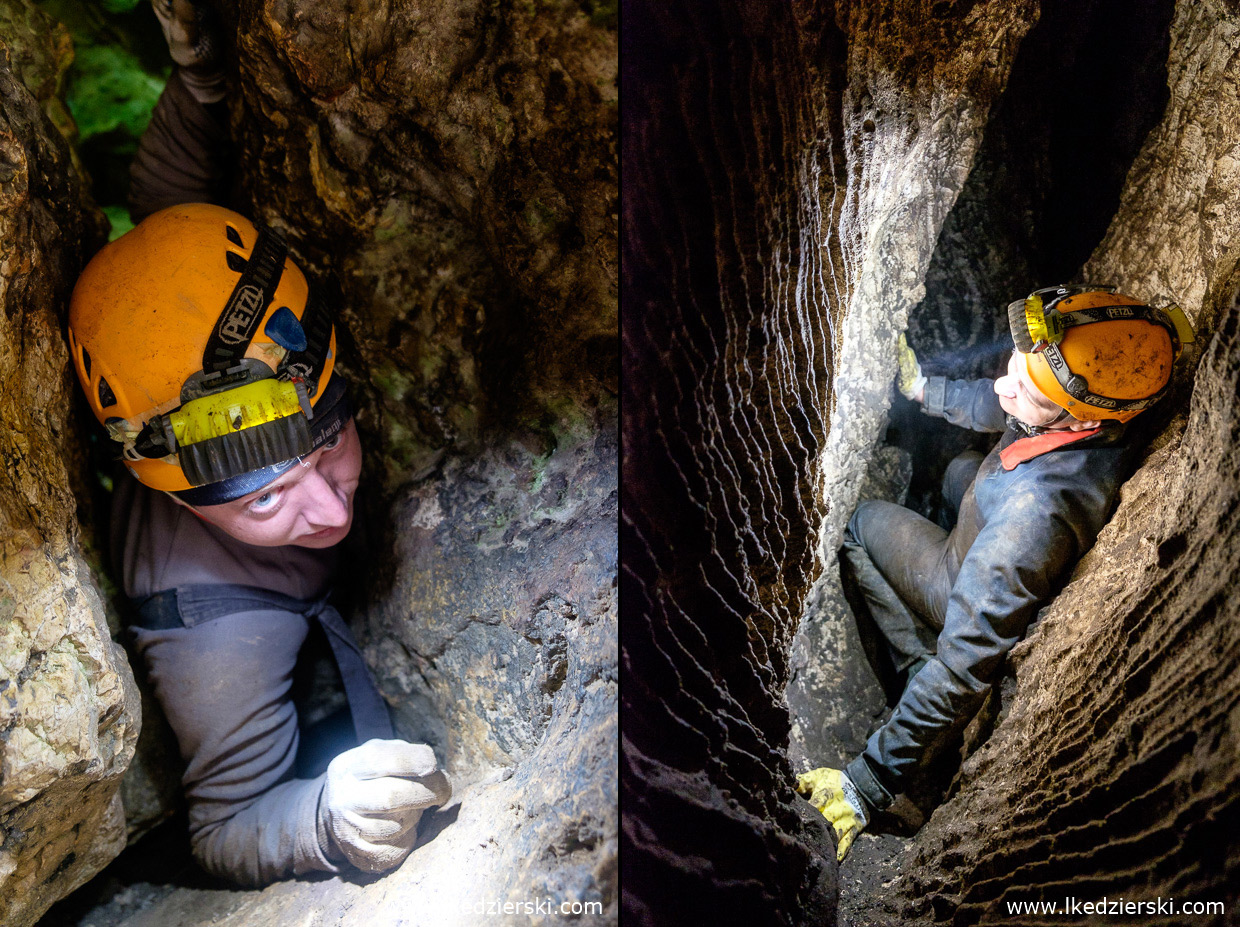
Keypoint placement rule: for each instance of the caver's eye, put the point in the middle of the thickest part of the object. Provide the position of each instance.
(264, 503)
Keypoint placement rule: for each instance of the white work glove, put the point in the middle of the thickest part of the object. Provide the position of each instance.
(191, 30)
(373, 798)
(910, 381)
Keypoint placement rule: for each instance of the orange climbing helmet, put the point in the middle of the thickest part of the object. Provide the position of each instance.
(1096, 353)
(205, 354)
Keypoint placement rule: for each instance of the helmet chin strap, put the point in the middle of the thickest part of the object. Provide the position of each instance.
(1063, 414)
(1033, 430)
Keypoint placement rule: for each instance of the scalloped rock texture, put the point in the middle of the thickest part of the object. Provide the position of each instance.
(1108, 765)
(787, 172)
(450, 169)
(69, 709)
(453, 166)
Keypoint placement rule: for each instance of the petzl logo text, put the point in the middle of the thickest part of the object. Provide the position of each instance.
(237, 321)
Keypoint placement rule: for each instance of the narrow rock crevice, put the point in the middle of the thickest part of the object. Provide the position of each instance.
(959, 158)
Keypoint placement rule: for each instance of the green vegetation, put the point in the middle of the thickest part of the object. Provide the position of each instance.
(109, 92)
(120, 67)
(602, 13)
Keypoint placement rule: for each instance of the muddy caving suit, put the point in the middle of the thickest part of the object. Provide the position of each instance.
(221, 622)
(952, 604)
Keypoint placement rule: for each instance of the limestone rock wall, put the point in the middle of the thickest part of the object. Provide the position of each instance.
(1107, 765)
(452, 167)
(449, 170)
(1045, 184)
(921, 86)
(1113, 771)
(787, 170)
(69, 709)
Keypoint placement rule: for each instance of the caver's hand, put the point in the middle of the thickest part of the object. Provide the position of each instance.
(910, 381)
(373, 798)
(192, 31)
(833, 793)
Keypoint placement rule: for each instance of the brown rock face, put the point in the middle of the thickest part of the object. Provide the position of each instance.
(787, 171)
(452, 168)
(68, 706)
(1114, 771)
(449, 172)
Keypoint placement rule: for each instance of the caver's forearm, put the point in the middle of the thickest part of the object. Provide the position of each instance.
(182, 156)
(967, 403)
(272, 838)
(224, 684)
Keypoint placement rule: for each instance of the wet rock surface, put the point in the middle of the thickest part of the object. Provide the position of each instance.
(1113, 766)
(787, 172)
(69, 710)
(453, 168)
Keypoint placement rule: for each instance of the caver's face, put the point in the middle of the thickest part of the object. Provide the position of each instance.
(309, 505)
(1019, 397)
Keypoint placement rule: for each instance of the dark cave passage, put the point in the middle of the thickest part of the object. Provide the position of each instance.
(1087, 86)
(446, 176)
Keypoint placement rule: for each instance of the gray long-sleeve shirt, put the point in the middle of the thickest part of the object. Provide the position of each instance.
(223, 678)
(223, 670)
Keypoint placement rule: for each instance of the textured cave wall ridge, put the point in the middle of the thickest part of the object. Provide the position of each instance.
(453, 166)
(920, 95)
(773, 257)
(68, 705)
(449, 169)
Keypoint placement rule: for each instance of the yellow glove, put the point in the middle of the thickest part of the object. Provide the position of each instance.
(910, 382)
(833, 793)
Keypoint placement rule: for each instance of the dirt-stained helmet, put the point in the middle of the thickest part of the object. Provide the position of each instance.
(1097, 353)
(205, 354)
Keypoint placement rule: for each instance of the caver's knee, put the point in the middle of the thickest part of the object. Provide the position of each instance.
(963, 468)
(957, 478)
(866, 515)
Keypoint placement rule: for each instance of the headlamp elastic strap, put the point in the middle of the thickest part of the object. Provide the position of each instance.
(1077, 386)
(247, 305)
(235, 417)
(1038, 328)
(308, 365)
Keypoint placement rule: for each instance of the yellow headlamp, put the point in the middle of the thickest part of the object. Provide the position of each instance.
(234, 431)
(234, 410)
(1040, 323)
(1043, 330)
(221, 432)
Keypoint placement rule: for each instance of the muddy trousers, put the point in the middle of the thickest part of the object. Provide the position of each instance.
(221, 661)
(904, 567)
